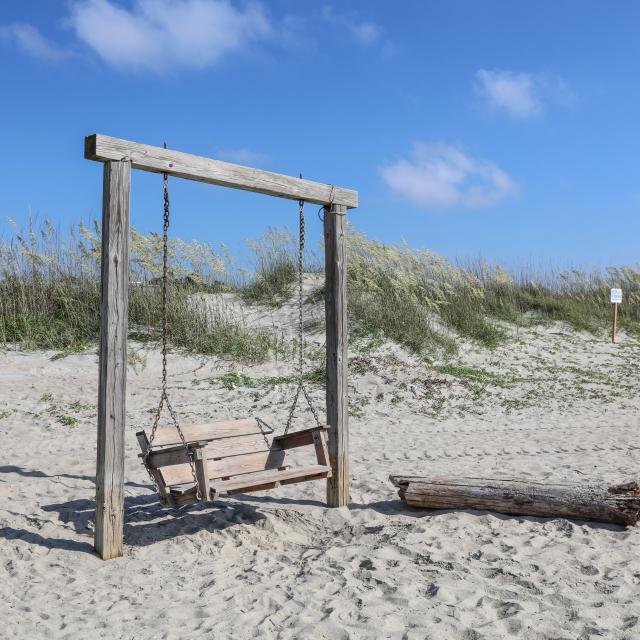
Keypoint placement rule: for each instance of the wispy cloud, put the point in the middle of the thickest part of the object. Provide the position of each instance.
(521, 95)
(164, 35)
(244, 156)
(160, 34)
(367, 33)
(364, 32)
(30, 40)
(440, 176)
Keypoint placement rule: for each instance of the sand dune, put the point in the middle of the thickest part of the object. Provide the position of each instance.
(553, 404)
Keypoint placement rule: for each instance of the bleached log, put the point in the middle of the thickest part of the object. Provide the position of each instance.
(600, 501)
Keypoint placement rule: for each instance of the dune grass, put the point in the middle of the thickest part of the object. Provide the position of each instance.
(275, 269)
(424, 301)
(50, 292)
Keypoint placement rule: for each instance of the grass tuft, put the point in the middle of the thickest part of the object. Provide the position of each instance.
(274, 259)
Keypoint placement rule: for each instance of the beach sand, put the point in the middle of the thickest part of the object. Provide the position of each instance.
(551, 404)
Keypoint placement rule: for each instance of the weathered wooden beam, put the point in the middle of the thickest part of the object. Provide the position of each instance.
(108, 537)
(336, 346)
(185, 165)
(601, 502)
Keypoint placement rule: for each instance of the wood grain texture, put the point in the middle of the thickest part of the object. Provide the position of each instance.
(320, 444)
(202, 473)
(336, 346)
(143, 441)
(185, 165)
(298, 438)
(168, 436)
(214, 450)
(601, 502)
(227, 467)
(108, 538)
(183, 498)
(269, 479)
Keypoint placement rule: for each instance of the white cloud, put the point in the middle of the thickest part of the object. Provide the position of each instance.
(366, 33)
(244, 156)
(521, 95)
(29, 39)
(161, 34)
(440, 176)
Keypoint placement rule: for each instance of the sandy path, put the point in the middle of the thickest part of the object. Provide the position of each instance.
(280, 565)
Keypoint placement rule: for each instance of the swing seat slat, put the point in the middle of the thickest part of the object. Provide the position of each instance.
(271, 479)
(168, 436)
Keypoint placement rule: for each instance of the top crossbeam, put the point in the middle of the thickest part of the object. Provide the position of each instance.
(185, 165)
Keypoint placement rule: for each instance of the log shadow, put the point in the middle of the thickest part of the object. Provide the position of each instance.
(399, 507)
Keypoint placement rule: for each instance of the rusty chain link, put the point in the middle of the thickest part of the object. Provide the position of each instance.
(164, 398)
(301, 387)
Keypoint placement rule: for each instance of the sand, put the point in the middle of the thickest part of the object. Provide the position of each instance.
(550, 404)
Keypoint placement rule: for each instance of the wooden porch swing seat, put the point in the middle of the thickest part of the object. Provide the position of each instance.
(231, 456)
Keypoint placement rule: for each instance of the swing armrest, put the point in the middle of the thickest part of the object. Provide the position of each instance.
(169, 456)
(299, 438)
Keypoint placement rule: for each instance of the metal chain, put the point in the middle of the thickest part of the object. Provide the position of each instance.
(301, 387)
(164, 398)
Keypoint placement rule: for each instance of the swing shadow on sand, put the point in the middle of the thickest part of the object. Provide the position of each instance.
(146, 520)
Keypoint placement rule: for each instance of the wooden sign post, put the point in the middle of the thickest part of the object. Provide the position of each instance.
(616, 299)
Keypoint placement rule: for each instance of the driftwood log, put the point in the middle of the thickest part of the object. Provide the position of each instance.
(601, 502)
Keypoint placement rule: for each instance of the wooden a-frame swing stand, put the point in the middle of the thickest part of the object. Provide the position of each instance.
(119, 157)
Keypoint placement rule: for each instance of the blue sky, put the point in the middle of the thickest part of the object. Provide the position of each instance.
(507, 130)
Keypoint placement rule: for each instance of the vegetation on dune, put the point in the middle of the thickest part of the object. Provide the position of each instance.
(50, 292)
(274, 261)
(421, 300)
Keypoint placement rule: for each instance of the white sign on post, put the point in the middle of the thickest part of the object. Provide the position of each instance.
(616, 296)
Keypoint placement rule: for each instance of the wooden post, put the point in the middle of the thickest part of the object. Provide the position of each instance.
(614, 323)
(336, 323)
(113, 359)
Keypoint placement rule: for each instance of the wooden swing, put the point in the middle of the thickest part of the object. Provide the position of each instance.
(232, 456)
(119, 157)
(195, 463)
